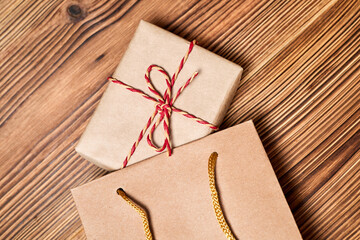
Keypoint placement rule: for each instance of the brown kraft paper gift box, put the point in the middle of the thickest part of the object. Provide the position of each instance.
(175, 193)
(121, 114)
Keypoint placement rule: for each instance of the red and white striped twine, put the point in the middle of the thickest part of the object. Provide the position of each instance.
(164, 106)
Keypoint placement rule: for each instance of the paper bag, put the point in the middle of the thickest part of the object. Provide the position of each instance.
(176, 195)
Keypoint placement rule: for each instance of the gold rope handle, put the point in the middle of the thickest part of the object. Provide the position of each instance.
(141, 212)
(214, 196)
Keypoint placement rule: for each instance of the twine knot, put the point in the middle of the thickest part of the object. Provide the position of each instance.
(164, 106)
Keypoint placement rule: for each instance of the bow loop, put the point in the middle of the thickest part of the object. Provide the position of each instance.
(166, 95)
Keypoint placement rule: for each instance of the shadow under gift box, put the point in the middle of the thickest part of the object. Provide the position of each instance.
(121, 114)
(175, 192)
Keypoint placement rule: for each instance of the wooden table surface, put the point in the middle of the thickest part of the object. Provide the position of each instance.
(301, 86)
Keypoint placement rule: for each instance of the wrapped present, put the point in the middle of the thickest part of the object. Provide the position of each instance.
(165, 92)
(191, 196)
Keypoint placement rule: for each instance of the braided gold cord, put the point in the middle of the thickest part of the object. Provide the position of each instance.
(215, 198)
(141, 212)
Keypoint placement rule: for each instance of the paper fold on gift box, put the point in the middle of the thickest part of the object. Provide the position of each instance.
(121, 114)
(175, 192)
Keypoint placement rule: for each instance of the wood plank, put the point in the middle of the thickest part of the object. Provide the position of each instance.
(300, 85)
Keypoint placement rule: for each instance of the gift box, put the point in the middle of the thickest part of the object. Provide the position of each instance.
(204, 86)
(178, 196)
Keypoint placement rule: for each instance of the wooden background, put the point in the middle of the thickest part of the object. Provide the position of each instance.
(301, 86)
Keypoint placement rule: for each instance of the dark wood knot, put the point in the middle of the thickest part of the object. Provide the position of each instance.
(75, 12)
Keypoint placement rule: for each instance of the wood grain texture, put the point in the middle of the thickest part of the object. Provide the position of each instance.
(301, 86)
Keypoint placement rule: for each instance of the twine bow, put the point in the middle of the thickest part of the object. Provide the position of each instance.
(164, 106)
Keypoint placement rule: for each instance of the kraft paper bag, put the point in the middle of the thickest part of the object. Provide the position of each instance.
(176, 196)
(122, 114)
